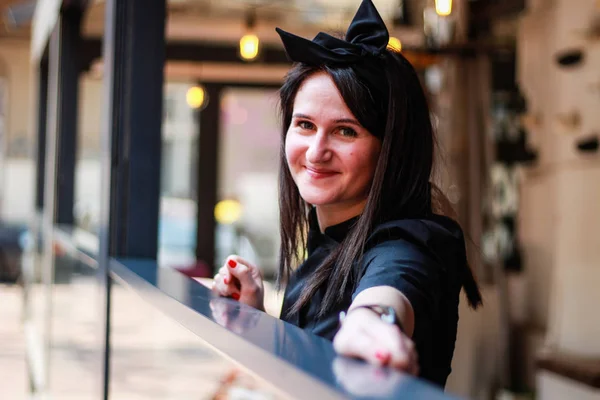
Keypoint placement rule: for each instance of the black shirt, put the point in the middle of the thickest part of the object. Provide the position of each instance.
(422, 258)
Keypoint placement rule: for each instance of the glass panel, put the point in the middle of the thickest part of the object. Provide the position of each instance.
(62, 323)
(35, 300)
(76, 352)
(248, 169)
(87, 170)
(177, 227)
(13, 367)
(177, 224)
(154, 357)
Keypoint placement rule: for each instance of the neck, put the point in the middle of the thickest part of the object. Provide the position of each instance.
(335, 214)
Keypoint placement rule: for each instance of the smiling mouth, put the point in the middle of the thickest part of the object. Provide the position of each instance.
(319, 173)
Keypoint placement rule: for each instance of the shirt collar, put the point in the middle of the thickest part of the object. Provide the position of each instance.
(336, 232)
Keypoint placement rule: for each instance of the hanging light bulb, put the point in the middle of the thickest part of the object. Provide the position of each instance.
(196, 97)
(249, 46)
(395, 44)
(249, 43)
(443, 8)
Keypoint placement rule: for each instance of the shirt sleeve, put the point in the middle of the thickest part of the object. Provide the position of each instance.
(413, 270)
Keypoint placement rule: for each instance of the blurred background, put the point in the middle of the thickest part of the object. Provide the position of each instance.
(514, 89)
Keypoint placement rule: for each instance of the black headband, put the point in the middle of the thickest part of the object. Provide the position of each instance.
(362, 50)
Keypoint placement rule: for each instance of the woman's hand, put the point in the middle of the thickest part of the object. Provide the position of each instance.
(240, 280)
(364, 335)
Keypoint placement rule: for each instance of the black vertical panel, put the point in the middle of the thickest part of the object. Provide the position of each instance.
(41, 133)
(68, 101)
(208, 148)
(136, 111)
(134, 54)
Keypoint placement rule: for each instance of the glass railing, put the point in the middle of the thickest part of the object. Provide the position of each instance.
(70, 332)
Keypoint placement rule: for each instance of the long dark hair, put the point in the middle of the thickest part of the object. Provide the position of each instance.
(400, 186)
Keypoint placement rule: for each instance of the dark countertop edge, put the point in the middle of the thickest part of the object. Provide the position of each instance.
(269, 368)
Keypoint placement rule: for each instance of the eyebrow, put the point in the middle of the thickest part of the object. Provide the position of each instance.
(337, 121)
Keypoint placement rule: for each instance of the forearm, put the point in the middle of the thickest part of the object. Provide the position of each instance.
(388, 296)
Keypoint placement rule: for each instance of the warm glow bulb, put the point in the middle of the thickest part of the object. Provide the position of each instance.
(395, 44)
(228, 211)
(195, 97)
(249, 47)
(443, 8)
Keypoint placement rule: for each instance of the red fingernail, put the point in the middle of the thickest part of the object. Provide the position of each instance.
(231, 263)
(382, 356)
(235, 296)
(226, 281)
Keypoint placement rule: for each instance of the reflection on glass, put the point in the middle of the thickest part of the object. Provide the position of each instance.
(230, 315)
(177, 223)
(155, 357)
(86, 209)
(248, 165)
(366, 380)
(75, 361)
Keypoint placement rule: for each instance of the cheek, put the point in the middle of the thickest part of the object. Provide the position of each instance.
(288, 147)
(365, 162)
(293, 150)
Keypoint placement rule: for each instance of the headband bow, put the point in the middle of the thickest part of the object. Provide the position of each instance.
(365, 44)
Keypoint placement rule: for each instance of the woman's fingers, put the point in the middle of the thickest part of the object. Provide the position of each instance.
(365, 335)
(358, 343)
(401, 348)
(223, 289)
(245, 272)
(355, 339)
(225, 285)
(242, 281)
(228, 279)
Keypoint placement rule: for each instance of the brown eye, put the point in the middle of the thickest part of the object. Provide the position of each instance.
(348, 132)
(306, 125)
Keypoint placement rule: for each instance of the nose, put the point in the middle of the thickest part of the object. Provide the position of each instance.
(318, 148)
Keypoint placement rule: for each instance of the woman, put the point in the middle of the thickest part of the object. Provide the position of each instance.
(356, 159)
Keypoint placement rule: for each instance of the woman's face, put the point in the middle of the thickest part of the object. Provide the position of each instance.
(331, 157)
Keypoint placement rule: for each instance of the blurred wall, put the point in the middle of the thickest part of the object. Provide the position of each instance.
(14, 55)
(18, 142)
(17, 152)
(560, 214)
(17, 169)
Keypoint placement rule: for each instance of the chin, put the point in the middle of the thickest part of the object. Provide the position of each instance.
(315, 198)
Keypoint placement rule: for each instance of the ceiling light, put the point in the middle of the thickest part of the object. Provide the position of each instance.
(196, 97)
(249, 43)
(443, 8)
